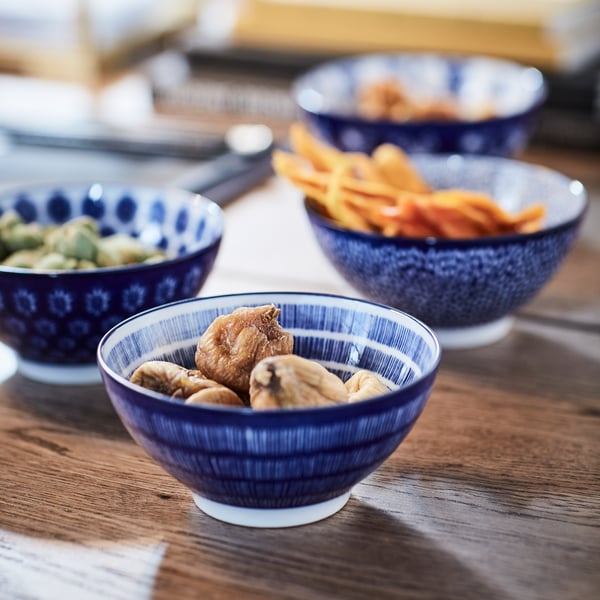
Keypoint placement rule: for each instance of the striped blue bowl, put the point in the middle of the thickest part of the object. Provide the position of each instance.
(276, 467)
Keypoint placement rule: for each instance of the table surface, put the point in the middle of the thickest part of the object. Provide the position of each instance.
(494, 494)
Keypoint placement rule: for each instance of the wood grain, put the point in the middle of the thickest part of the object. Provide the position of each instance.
(495, 494)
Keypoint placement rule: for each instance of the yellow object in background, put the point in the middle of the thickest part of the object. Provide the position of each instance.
(557, 34)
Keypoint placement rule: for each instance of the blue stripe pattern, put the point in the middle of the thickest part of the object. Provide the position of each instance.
(274, 459)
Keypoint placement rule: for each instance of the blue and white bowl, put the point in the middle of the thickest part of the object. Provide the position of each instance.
(274, 468)
(54, 320)
(326, 99)
(465, 289)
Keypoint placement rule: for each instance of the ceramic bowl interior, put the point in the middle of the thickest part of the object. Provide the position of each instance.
(308, 459)
(469, 285)
(55, 320)
(506, 95)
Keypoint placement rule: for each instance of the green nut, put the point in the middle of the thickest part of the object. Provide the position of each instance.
(23, 236)
(23, 259)
(74, 240)
(54, 261)
(121, 249)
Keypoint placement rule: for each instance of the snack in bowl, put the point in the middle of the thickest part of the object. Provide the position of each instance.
(275, 467)
(421, 102)
(245, 359)
(388, 99)
(462, 262)
(55, 309)
(73, 245)
(384, 193)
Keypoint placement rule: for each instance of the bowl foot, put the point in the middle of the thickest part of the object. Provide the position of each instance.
(271, 517)
(457, 338)
(60, 374)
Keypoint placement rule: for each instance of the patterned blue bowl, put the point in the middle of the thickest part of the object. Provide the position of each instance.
(54, 320)
(465, 289)
(278, 467)
(326, 98)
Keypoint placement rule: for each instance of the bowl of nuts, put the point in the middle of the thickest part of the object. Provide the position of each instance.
(77, 258)
(460, 242)
(422, 102)
(269, 407)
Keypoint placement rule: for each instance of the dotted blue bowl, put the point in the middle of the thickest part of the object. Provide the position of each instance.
(465, 289)
(326, 98)
(54, 320)
(278, 467)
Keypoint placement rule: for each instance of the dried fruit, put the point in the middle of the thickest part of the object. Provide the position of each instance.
(290, 381)
(364, 384)
(178, 382)
(234, 343)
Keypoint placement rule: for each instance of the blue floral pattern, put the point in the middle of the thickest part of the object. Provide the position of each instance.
(59, 318)
(461, 283)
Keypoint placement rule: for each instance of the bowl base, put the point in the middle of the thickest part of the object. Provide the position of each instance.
(60, 374)
(271, 517)
(460, 338)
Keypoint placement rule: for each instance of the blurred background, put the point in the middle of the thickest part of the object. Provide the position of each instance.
(169, 78)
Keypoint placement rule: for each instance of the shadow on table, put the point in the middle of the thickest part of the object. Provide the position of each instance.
(83, 408)
(537, 359)
(360, 552)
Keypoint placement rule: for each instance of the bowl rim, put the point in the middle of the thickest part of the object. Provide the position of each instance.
(193, 198)
(395, 397)
(445, 243)
(539, 96)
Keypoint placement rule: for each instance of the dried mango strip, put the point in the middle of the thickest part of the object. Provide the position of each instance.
(386, 194)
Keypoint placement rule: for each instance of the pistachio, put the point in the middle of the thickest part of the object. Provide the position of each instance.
(23, 259)
(9, 219)
(121, 249)
(55, 261)
(23, 236)
(75, 239)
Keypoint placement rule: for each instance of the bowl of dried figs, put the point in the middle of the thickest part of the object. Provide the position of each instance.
(269, 407)
(77, 258)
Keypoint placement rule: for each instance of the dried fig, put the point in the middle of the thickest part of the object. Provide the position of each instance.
(214, 393)
(290, 381)
(179, 382)
(364, 384)
(234, 343)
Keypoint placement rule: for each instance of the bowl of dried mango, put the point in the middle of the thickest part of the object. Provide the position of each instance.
(270, 407)
(77, 258)
(460, 242)
(422, 102)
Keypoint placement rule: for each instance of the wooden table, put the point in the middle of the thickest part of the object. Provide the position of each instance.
(495, 494)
